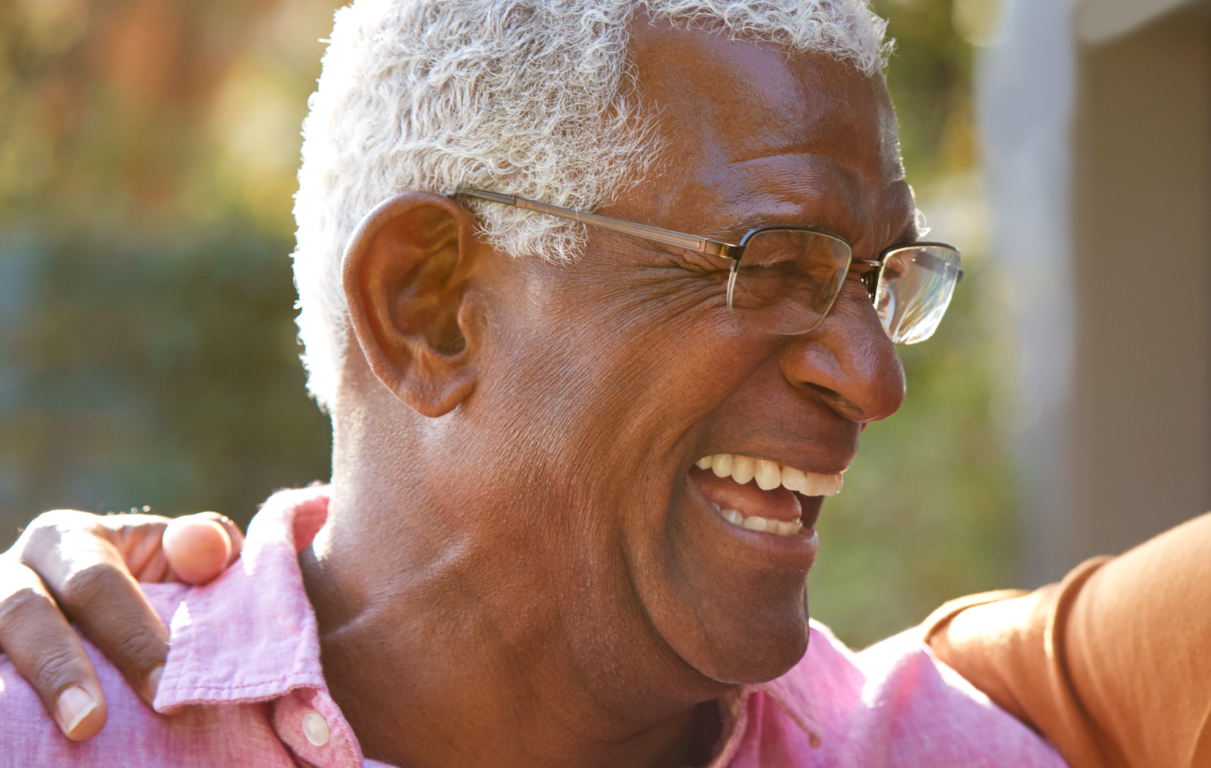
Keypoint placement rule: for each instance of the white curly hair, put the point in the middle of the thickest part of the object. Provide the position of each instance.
(528, 97)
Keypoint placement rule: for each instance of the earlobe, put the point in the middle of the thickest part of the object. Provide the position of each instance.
(405, 277)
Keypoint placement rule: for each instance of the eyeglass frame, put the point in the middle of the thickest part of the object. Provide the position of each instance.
(705, 245)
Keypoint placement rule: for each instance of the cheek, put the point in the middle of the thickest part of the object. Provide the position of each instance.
(639, 343)
(603, 370)
(652, 375)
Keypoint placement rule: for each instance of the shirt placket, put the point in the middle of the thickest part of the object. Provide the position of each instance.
(308, 721)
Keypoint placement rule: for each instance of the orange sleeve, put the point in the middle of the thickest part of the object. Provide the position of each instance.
(1112, 665)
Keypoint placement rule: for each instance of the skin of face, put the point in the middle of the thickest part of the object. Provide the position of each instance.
(518, 568)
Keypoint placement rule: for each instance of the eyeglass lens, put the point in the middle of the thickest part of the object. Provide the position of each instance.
(788, 279)
(915, 287)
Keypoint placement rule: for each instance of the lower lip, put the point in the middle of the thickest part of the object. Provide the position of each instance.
(798, 550)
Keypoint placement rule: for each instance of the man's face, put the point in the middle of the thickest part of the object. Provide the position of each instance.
(604, 382)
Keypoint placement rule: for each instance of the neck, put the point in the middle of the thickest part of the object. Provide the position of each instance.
(443, 647)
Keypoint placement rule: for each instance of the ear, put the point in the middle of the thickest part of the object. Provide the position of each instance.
(405, 276)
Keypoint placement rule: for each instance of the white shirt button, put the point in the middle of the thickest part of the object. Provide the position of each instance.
(315, 729)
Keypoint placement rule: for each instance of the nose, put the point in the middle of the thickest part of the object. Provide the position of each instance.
(849, 361)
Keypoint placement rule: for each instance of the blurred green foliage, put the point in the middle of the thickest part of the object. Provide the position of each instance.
(162, 374)
(147, 158)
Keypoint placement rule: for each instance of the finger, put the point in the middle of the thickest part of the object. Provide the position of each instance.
(197, 547)
(140, 540)
(44, 649)
(87, 577)
(137, 539)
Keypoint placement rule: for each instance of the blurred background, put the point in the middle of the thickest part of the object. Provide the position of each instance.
(148, 151)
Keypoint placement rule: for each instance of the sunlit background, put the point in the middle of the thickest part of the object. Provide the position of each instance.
(147, 347)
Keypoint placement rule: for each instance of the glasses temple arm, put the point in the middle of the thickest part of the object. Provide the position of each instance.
(656, 234)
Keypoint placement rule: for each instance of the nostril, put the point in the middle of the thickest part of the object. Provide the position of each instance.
(840, 403)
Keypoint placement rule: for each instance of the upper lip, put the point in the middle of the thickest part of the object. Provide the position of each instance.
(825, 446)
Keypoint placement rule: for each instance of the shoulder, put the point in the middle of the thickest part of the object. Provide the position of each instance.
(895, 704)
(244, 653)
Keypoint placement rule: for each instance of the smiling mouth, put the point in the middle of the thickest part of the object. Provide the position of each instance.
(763, 495)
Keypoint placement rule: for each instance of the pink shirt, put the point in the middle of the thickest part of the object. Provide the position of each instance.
(244, 672)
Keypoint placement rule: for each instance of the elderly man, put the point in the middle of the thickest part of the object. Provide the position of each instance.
(599, 297)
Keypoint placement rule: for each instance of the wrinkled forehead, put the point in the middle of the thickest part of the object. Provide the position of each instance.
(746, 125)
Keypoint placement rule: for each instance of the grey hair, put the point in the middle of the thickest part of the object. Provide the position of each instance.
(530, 97)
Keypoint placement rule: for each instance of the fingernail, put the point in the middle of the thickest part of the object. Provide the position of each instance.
(153, 681)
(75, 704)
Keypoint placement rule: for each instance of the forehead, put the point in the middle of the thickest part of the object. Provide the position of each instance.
(751, 132)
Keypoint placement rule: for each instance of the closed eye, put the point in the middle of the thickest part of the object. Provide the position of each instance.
(701, 263)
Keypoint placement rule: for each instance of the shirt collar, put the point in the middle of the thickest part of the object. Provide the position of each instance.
(791, 693)
(788, 692)
(250, 635)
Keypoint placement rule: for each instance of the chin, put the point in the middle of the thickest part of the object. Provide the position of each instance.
(729, 600)
(744, 638)
(736, 611)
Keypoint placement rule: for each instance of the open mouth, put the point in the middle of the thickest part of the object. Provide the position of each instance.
(763, 495)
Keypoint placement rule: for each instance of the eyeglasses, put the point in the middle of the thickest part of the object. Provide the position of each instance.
(784, 280)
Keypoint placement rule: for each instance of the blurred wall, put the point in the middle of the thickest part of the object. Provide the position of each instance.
(1097, 121)
(1141, 392)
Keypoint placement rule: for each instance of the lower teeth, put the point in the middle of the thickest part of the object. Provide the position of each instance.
(760, 523)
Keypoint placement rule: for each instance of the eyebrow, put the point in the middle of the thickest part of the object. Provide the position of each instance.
(800, 217)
(907, 235)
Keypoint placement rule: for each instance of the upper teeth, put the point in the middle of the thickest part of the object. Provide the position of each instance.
(771, 474)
